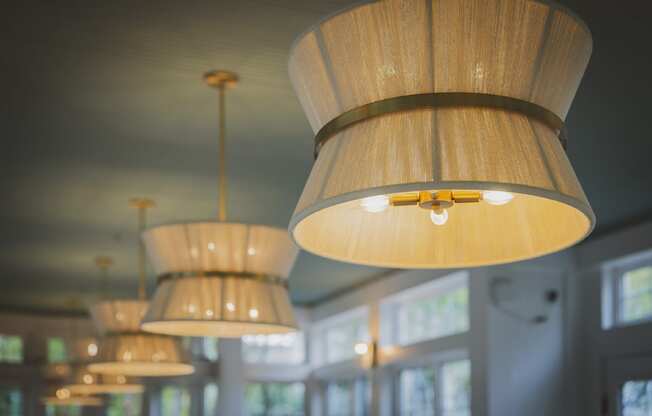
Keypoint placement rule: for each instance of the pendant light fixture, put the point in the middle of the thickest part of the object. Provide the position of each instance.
(220, 278)
(440, 137)
(81, 381)
(125, 350)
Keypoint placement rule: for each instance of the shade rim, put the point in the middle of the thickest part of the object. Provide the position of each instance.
(86, 389)
(581, 206)
(154, 327)
(551, 3)
(152, 369)
(209, 221)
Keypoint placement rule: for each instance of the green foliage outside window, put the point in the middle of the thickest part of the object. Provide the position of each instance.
(11, 349)
(56, 350)
(274, 399)
(636, 294)
(11, 401)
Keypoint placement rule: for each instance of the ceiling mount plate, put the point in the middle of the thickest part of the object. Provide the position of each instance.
(220, 78)
(141, 203)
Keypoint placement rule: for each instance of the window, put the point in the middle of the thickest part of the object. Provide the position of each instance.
(52, 410)
(417, 392)
(446, 387)
(432, 310)
(11, 401)
(636, 398)
(211, 394)
(275, 399)
(627, 291)
(456, 388)
(124, 405)
(348, 397)
(274, 349)
(175, 401)
(336, 336)
(11, 349)
(210, 349)
(56, 350)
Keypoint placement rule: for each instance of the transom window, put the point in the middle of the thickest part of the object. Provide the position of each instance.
(431, 310)
(274, 349)
(56, 350)
(627, 291)
(335, 337)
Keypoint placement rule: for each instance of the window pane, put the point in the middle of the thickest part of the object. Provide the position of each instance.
(51, 410)
(275, 399)
(11, 349)
(637, 281)
(417, 392)
(456, 388)
(56, 350)
(11, 401)
(347, 398)
(636, 294)
(175, 401)
(274, 349)
(340, 339)
(433, 316)
(636, 398)
(124, 405)
(210, 399)
(339, 398)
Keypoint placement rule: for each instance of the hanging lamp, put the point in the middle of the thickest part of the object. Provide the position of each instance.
(81, 381)
(440, 137)
(125, 350)
(221, 279)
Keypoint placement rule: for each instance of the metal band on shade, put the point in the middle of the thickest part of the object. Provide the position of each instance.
(438, 100)
(275, 280)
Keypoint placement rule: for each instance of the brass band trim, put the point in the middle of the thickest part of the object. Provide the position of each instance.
(438, 100)
(266, 278)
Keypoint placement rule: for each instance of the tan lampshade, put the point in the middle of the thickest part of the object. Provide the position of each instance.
(118, 315)
(141, 355)
(61, 396)
(84, 382)
(127, 351)
(220, 279)
(529, 50)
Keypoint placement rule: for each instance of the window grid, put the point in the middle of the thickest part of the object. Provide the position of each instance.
(627, 291)
(11, 349)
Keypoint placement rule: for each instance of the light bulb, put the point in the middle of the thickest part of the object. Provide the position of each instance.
(361, 348)
(497, 197)
(63, 394)
(439, 218)
(378, 203)
(230, 306)
(253, 313)
(88, 379)
(92, 349)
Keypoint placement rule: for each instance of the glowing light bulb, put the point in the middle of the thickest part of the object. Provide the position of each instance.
(439, 218)
(251, 251)
(378, 203)
(121, 379)
(92, 349)
(361, 348)
(497, 197)
(211, 246)
(88, 379)
(63, 394)
(230, 306)
(253, 313)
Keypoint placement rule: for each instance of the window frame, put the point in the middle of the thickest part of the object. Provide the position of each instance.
(613, 274)
(359, 383)
(436, 362)
(390, 307)
(20, 359)
(317, 350)
(263, 383)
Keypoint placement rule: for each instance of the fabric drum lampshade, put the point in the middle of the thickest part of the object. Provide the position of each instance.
(220, 279)
(440, 132)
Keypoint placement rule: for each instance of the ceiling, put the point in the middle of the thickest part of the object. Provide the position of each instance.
(104, 101)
